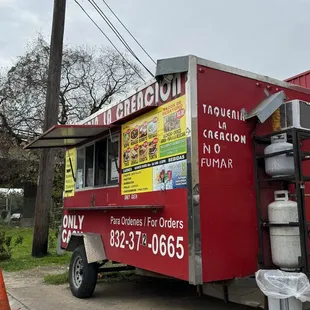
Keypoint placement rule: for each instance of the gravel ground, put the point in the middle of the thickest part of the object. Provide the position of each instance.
(27, 291)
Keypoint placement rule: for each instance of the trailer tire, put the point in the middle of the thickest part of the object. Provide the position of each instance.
(82, 276)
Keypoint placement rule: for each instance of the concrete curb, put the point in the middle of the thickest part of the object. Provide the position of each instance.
(15, 304)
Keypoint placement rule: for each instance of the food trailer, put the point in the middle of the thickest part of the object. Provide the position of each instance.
(177, 180)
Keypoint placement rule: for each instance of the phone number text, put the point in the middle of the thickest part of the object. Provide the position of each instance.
(159, 244)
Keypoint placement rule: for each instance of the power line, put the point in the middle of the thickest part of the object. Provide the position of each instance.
(116, 32)
(129, 32)
(106, 19)
(81, 7)
(109, 40)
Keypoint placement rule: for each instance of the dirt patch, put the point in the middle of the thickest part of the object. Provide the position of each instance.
(31, 277)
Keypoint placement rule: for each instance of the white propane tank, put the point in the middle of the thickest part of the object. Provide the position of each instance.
(279, 165)
(285, 241)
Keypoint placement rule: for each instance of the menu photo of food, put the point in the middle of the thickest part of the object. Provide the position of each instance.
(134, 135)
(126, 137)
(134, 155)
(143, 152)
(143, 132)
(153, 149)
(171, 122)
(126, 157)
(152, 128)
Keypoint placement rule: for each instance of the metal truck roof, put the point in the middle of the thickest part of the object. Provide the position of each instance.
(301, 79)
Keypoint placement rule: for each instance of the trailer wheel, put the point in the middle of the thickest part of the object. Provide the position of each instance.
(82, 276)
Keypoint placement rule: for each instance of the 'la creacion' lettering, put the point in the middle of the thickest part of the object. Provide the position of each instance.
(151, 95)
(224, 136)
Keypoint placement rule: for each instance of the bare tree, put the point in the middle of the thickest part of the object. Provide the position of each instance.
(91, 78)
(13, 170)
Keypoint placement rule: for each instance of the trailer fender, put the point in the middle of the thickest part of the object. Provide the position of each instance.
(94, 247)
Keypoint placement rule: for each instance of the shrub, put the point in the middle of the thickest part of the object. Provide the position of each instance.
(51, 241)
(6, 245)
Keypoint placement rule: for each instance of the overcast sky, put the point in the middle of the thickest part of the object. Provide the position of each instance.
(269, 37)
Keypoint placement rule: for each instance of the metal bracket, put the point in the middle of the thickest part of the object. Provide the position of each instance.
(93, 200)
(267, 93)
(93, 243)
(114, 152)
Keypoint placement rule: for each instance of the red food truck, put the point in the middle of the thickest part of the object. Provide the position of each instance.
(173, 180)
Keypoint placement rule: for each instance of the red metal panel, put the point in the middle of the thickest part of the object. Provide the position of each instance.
(171, 221)
(302, 79)
(229, 239)
(166, 247)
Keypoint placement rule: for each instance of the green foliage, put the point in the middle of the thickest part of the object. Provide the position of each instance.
(57, 279)
(58, 186)
(21, 258)
(6, 245)
(4, 214)
(51, 241)
(19, 240)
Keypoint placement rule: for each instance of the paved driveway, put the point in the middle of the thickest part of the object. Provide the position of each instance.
(130, 293)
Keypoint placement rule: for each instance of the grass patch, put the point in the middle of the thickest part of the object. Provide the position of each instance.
(21, 254)
(57, 279)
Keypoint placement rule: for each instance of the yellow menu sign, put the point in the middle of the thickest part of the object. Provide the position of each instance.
(70, 171)
(152, 140)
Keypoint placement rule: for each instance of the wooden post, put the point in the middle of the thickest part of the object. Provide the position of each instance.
(45, 182)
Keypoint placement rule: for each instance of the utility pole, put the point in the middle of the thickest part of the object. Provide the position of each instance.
(45, 182)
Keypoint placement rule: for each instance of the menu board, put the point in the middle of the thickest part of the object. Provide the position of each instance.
(154, 150)
(70, 172)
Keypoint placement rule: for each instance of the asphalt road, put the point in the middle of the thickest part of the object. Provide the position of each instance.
(28, 292)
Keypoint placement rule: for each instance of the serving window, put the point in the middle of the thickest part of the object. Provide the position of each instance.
(97, 163)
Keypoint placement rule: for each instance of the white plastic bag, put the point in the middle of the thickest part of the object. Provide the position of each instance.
(281, 285)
